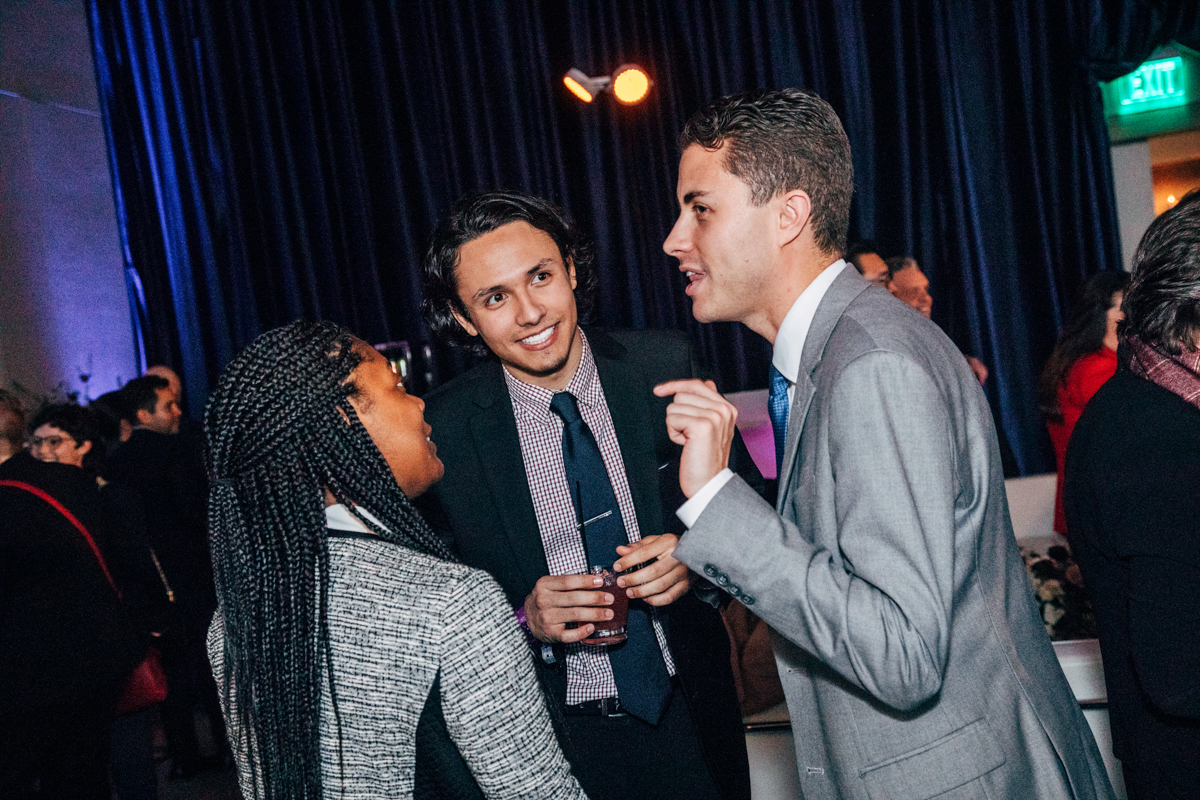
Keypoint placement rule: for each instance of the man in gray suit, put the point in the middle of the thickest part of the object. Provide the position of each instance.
(911, 654)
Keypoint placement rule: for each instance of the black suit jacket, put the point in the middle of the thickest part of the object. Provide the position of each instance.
(484, 502)
(1132, 499)
(164, 473)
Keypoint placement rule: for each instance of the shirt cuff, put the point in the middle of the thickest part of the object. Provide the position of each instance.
(690, 511)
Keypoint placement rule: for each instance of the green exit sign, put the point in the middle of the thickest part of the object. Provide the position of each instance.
(1155, 84)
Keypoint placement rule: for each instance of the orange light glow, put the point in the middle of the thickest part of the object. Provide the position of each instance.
(1171, 199)
(630, 85)
(577, 89)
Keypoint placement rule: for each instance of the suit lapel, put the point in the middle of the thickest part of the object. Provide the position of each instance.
(628, 396)
(845, 287)
(494, 433)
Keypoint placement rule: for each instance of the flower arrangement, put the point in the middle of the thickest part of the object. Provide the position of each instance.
(1058, 589)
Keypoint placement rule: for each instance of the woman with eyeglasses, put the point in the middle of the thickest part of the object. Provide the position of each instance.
(66, 433)
(68, 639)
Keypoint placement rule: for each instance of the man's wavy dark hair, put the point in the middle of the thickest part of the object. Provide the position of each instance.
(1162, 305)
(472, 217)
(778, 142)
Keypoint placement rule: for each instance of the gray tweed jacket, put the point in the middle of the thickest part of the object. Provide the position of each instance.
(397, 619)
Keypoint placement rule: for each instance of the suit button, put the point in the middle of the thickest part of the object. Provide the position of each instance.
(710, 570)
(735, 590)
(747, 600)
(722, 579)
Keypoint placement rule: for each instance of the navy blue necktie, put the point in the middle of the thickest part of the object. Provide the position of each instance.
(777, 409)
(643, 685)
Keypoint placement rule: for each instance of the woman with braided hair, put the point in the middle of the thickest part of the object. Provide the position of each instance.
(355, 658)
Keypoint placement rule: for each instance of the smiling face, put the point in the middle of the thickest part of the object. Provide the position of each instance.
(519, 298)
(395, 421)
(56, 446)
(723, 242)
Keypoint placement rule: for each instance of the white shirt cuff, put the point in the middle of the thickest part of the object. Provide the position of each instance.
(690, 511)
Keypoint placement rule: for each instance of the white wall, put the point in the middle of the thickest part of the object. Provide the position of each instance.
(1134, 185)
(62, 288)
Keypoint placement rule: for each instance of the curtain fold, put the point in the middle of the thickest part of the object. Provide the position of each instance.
(1119, 36)
(293, 162)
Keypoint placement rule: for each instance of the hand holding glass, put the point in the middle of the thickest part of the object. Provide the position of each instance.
(612, 631)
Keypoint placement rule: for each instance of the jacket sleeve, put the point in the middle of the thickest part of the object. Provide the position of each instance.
(494, 708)
(878, 610)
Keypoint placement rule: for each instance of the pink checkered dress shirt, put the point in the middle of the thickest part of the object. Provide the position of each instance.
(589, 673)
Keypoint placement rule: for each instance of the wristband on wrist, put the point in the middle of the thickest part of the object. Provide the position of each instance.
(523, 621)
(543, 649)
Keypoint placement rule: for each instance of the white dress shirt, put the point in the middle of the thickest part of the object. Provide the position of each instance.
(540, 432)
(789, 346)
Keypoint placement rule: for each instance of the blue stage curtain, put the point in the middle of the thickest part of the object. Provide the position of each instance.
(278, 160)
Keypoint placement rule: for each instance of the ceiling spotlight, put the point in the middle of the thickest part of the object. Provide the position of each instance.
(583, 87)
(629, 84)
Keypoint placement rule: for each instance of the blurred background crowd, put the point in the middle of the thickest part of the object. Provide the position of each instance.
(120, 480)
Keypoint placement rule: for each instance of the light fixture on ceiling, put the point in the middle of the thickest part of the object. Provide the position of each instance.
(582, 86)
(629, 84)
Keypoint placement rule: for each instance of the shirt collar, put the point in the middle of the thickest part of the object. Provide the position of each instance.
(789, 342)
(339, 518)
(533, 402)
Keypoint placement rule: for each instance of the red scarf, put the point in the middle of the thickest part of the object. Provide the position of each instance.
(1177, 374)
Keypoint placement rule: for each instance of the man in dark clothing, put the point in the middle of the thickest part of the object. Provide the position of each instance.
(173, 490)
(67, 644)
(191, 432)
(527, 488)
(155, 463)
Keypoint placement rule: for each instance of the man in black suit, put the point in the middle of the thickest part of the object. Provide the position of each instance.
(160, 467)
(508, 274)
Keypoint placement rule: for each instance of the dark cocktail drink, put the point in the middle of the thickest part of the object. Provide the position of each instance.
(611, 631)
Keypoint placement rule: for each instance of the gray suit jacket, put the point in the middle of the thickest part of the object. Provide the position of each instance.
(912, 657)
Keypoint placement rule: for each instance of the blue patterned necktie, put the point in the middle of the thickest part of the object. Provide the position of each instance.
(777, 408)
(643, 685)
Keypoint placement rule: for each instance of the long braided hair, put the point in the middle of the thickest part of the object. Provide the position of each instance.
(280, 430)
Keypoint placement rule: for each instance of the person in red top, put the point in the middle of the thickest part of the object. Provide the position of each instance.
(1083, 359)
